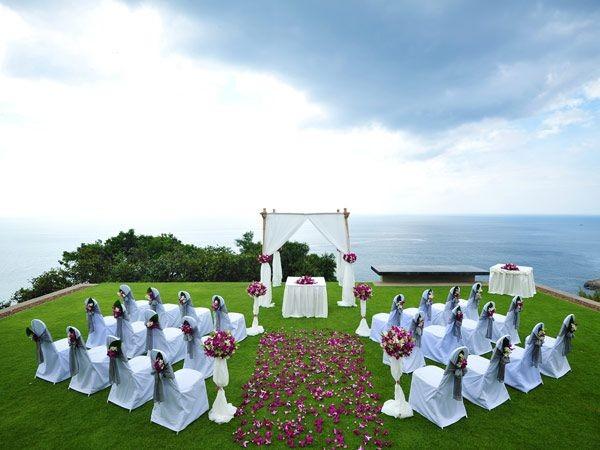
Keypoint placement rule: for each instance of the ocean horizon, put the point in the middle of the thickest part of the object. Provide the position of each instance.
(564, 251)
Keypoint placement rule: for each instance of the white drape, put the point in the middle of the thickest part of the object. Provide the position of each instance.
(277, 272)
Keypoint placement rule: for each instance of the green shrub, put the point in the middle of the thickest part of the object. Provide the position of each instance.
(595, 295)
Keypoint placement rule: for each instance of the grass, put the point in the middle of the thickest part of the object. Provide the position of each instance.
(35, 414)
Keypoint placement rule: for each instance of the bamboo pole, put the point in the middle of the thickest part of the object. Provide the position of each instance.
(264, 217)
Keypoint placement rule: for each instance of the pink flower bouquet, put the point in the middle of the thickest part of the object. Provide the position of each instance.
(397, 342)
(112, 352)
(256, 289)
(363, 291)
(306, 279)
(264, 258)
(186, 328)
(510, 266)
(350, 257)
(220, 344)
(117, 311)
(159, 365)
(459, 316)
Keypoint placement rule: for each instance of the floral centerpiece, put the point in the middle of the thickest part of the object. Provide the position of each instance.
(263, 258)
(397, 343)
(510, 266)
(363, 292)
(221, 345)
(350, 257)
(306, 279)
(256, 289)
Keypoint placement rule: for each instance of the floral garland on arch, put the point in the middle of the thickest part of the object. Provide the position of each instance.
(220, 344)
(350, 257)
(397, 342)
(306, 279)
(263, 258)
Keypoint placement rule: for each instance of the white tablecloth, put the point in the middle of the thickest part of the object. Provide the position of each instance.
(512, 282)
(304, 300)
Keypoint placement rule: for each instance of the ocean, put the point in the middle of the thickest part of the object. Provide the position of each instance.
(563, 250)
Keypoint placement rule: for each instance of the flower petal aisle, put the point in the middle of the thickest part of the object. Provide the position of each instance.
(310, 387)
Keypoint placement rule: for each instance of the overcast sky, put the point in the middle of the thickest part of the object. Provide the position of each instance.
(181, 109)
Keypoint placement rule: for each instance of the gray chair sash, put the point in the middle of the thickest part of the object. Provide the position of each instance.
(183, 309)
(217, 320)
(113, 368)
(490, 327)
(119, 330)
(159, 377)
(516, 318)
(428, 309)
(457, 373)
(567, 341)
(38, 344)
(417, 333)
(456, 329)
(502, 362)
(74, 347)
(189, 338)
(90, 321)
(536, 354)
(149, 338)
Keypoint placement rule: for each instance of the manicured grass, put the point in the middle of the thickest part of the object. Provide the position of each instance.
(559, 414)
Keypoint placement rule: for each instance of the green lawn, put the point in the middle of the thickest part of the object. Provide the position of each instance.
(36, 414)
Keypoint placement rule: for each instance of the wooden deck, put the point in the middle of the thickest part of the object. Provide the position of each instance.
(403, 274)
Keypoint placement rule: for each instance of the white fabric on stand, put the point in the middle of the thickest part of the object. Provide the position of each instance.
(431, 393)
(255, 329)
(339, 273)
(363, 327)
(55, 367)
(304, 300)
(398, 407)
(266, 301)
(93, 368)
(512, 282)
(277, 271)
(221, 411)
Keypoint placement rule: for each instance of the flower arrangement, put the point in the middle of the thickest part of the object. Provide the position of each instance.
(112, 352)
(397, 342)
(350, 257)
(306, 279)
(89, 306)
(220, 344)
(506, 351)
(117, 311)
(256, 289)
(510, 266)
(459, 316)
(182, 300)
(153, 322)
(31, 335)
(430, 298)
(159, 365)
(72, 336)
(491, 311)
(187, 329)
(573, 327)
(461, 361)
(456, 293)
(400, 303)
(541, 334)
(216, 304)
(421, 323)
(263, 258)
(519, 305)
(363, 292)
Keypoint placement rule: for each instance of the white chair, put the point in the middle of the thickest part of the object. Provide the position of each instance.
(523, 371)
(135, 307)
(483, 384)
(477, 334)
(131, 380)
(224, 320)
(169, 340)
(179, 398)
(439, 342)
(201, 315)
(426, 307)
(98, 326)
(382, 322)
(416, 359)
(131, 334)
(470, 306)
(509, 324)
(441, 313)
(168, 313)
(52, 357)
(555, 351)
(89, 368)
(194, 356)
(436, 393)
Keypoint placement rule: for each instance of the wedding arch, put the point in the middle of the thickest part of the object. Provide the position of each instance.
(278, 228)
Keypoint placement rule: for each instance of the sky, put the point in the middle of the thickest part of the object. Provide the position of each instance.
(111, 110)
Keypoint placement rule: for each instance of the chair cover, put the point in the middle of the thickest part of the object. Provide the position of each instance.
(194, 356)
(132, 382)
(179, 398)
(509, 324)
(416, 359)
(471, 309)
(186, 306)
(202, 315)
(224, 320)
(477, 334)
(426, 306)
(436, 393)
(135, 312)
(52, 357)
(98, 326)
(483, 384)
(554, 355)
(169, 340)
(451, 303)
(89, 368)
(438, 342)
(378, 324)
(131, 334)
(168, 313)
(523, 371)
(382, 322)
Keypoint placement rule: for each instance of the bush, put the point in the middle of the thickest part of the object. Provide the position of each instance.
(595, 295)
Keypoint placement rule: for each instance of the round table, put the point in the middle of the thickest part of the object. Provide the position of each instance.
(512, 282)
(304, 300)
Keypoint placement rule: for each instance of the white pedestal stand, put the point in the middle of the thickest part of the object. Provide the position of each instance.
(398, 407)
(221, 411)
(363, 327)
(255, 328)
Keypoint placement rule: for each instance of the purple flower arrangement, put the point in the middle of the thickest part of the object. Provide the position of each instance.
(112, 352)
(459, 316)
(220, 344)
(310, 388)
(510, 266)
(186, 328)
(72, 337)
(350, 257)
(263, 258)
(306, 279)
(117, 311)
(159, 365)
(491, 311)
(397, 342)
(519, 305)
(363, 292)
(256, 289)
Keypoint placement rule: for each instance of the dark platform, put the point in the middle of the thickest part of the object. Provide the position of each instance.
(428, 274)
